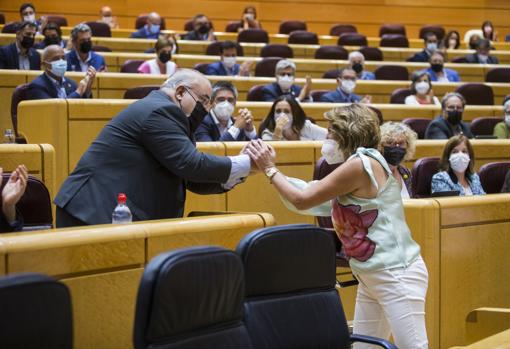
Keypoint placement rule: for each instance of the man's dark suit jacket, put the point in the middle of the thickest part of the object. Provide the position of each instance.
(473, 58)
(339, 96)
(143, 33)
(148, 153)
(73, 62)
(43, 88)
(208, 131)
(217, 68)
(196, 36)
(422, 56)
(272, 91)
(9, 58)
(439, 128)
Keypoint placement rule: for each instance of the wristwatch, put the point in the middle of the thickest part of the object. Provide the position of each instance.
(270, 172)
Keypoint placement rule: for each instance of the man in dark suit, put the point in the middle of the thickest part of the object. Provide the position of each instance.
(53, 84)
(81, 57)
(228, 66)
(344, 93)
(482, 55)
(148, 152)
(151, 29)
(219, 125)
(21, 54)
(285, 72)
(52, 36)
(449, 123)
(202, 29)
(431, 44)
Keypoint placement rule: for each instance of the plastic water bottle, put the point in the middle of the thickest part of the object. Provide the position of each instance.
(9, 136)
(121, 214)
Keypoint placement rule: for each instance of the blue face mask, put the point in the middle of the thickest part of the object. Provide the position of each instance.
(59, 67)
(154, 28)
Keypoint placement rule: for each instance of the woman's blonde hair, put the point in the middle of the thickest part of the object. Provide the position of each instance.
(391, 130)
(354, 126)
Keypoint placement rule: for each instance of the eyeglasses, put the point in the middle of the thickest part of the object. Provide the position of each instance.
(205, 100)
(452, 108)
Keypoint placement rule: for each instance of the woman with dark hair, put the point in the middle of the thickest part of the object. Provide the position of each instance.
(488, 31)
(457, 169)
(421, 90)
(287, 121)
(249, 19)
(452, 40)
(162, 64)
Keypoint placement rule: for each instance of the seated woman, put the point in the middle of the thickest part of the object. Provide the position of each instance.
(502, 129)
(10, 219)
(421, 89)
(398, 143)
(456, 165)
(287, 121)
(249, 19)
(452, 40)
(162, 64)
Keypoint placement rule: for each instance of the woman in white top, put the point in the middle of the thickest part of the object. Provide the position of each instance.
(162, 64)
(421, 89)
(287, 121)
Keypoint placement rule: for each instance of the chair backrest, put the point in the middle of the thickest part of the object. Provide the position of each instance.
(99, 48)
(352, 39)
(188, 26)
(392, 29)
(492, 176)
(2, 18)
(331, 52)
(34, 205)
(266, 67)
(418, 125)
(60, 20)
(377, 112)
(255, 94)
(342, 28)
(233, 26)
(213, 49)
(131, 66)
(253, 35)
(484, 126)
(498, 75)
(303, 37)
(391, 72)
(191, 298)
(19, 94)
(141, 20)
(10, 28)
(139, 92)
(36, 313)
(394, 40)
(476, 94)
(100, 29)
(317, 94)
(372, 53)
(436, 29)
(201, 67)
(460, 59)
(296, 290)
(286, 27)
(399, 95)
(277, 50)
(421, 176)
(321, 170)
(331, 74)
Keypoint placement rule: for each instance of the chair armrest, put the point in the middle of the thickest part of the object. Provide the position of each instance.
(372, 340)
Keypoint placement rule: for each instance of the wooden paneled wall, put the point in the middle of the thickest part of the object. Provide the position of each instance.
(367, 15)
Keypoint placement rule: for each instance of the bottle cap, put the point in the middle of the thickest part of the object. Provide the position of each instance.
(121, 198)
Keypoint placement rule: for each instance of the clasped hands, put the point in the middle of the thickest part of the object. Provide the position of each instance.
(262, 155)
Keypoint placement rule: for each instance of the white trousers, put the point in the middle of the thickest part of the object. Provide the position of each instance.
(393, 302)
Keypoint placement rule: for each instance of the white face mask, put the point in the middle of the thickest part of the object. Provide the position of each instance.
(483, 58)
(507, 120)
(108, 19)
(331, 153)
(288, 125)
(459, 162)
(348, 86)
(59, 67)
(422, 87)
(29, 18)
(229, 62)
(431, 46)
(223, 110)
(285, 82)
(249, 16)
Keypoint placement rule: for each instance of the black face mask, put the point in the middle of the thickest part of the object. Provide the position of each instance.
(454, 117)
(203, 29)
(357, 67)
(27, 42)
(436, 68)
(394, 155)
(86, 46)
(51, 40)
(197, 116)
(164, 56)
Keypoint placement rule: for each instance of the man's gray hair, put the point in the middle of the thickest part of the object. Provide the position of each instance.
(181, 77)
(356, 54)
(284, 64)
(80, 28)
(223, 85)
(451, 95)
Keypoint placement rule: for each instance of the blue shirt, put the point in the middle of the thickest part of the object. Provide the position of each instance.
(339, 96)
(442, 181)
(450, 74)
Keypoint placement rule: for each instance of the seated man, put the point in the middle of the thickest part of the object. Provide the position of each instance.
(10, 219)
(108, 18)
(482, 55)
(449, 123)
(52, 36)
(431, 44)
(438, 72)
(21, 54)
(345, 90)
(202, 29)
(285, 72)
(218, 124)
(228, 66)
(52, 84)
(27, 13)
(357, 63)
(151, 29)
(81, 57)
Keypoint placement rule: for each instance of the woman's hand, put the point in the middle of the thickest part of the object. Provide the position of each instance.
(261, 153)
